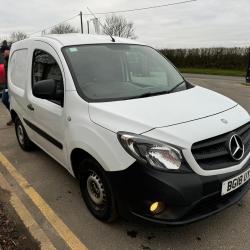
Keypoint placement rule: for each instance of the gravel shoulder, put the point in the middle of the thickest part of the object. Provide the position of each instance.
(13, 233)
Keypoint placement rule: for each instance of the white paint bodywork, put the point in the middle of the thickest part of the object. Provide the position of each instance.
(180, 118)
(185, 134)
(143, 114)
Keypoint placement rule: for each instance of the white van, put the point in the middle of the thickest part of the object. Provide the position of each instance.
(143, 142)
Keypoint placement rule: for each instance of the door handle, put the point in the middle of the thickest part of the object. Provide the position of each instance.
(30, 107)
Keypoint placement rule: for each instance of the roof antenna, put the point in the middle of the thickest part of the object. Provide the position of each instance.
(112, 38)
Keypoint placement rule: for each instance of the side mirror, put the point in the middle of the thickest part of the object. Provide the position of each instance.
(45, 89)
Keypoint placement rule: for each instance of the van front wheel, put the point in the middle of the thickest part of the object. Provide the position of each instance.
(22, 137)
(96, 191)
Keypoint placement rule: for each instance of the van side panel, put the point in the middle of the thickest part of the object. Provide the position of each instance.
(17, 72)
(17, 79)
(19, 75)
(80, 131)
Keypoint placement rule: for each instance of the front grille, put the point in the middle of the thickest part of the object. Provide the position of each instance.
(213, 153)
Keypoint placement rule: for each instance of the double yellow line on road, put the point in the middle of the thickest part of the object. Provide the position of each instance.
(62, 229)
(26, 217)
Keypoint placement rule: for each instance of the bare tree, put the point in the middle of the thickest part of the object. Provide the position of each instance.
(118, 26)
(63, 29)
(18, 36)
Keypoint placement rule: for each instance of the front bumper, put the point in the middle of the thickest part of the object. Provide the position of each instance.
(187, 196)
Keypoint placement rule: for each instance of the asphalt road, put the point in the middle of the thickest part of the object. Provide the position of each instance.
(227, 230)
(214, 77)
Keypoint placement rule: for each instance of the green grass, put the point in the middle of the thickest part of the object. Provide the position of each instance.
(221, 72)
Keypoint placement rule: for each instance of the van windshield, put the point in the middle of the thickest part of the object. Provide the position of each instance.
(107, 72)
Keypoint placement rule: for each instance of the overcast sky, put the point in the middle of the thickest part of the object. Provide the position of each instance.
(203, 23)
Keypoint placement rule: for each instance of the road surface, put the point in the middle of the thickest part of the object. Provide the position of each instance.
(53, 199)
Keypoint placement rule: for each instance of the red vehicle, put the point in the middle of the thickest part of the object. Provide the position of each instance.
(2, 73)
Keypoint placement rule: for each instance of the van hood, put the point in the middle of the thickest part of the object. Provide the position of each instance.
(143, 114)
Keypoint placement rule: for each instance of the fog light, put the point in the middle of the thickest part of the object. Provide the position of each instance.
(156, 207)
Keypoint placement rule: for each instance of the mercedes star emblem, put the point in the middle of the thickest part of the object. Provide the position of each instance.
(236, 147)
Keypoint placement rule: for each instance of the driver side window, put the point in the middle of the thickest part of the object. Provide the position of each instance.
(45, 67)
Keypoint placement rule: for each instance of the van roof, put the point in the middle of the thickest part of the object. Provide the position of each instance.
(77, 39)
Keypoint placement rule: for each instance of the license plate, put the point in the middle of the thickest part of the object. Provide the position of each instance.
(235, 182)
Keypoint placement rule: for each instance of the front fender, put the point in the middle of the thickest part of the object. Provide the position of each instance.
(101, 144)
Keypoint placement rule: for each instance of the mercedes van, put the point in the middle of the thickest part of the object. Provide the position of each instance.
(142, 141)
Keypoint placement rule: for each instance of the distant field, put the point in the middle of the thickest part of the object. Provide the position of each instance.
(221, 72)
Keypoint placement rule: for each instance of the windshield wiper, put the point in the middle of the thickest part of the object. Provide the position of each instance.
(148, 94)
(176, 86)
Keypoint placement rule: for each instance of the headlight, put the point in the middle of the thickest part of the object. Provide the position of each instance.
(158, 154)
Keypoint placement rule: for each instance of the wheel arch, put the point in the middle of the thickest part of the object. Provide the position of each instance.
(77, 155)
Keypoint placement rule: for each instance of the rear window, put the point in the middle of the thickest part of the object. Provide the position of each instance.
(18, 68)
(1, 59)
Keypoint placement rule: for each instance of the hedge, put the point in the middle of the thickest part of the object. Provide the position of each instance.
(221, 58)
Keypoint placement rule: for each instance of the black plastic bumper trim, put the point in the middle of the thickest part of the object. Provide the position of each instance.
(199, 216)
(44, 134)
(188, 196)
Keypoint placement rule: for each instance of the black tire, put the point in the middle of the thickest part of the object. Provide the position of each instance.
(25, 143)
(93, 181)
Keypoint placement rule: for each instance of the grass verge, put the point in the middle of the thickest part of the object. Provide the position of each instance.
(220, 72)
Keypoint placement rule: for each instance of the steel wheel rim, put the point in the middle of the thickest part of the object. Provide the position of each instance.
(20, 134)
(96, 189)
